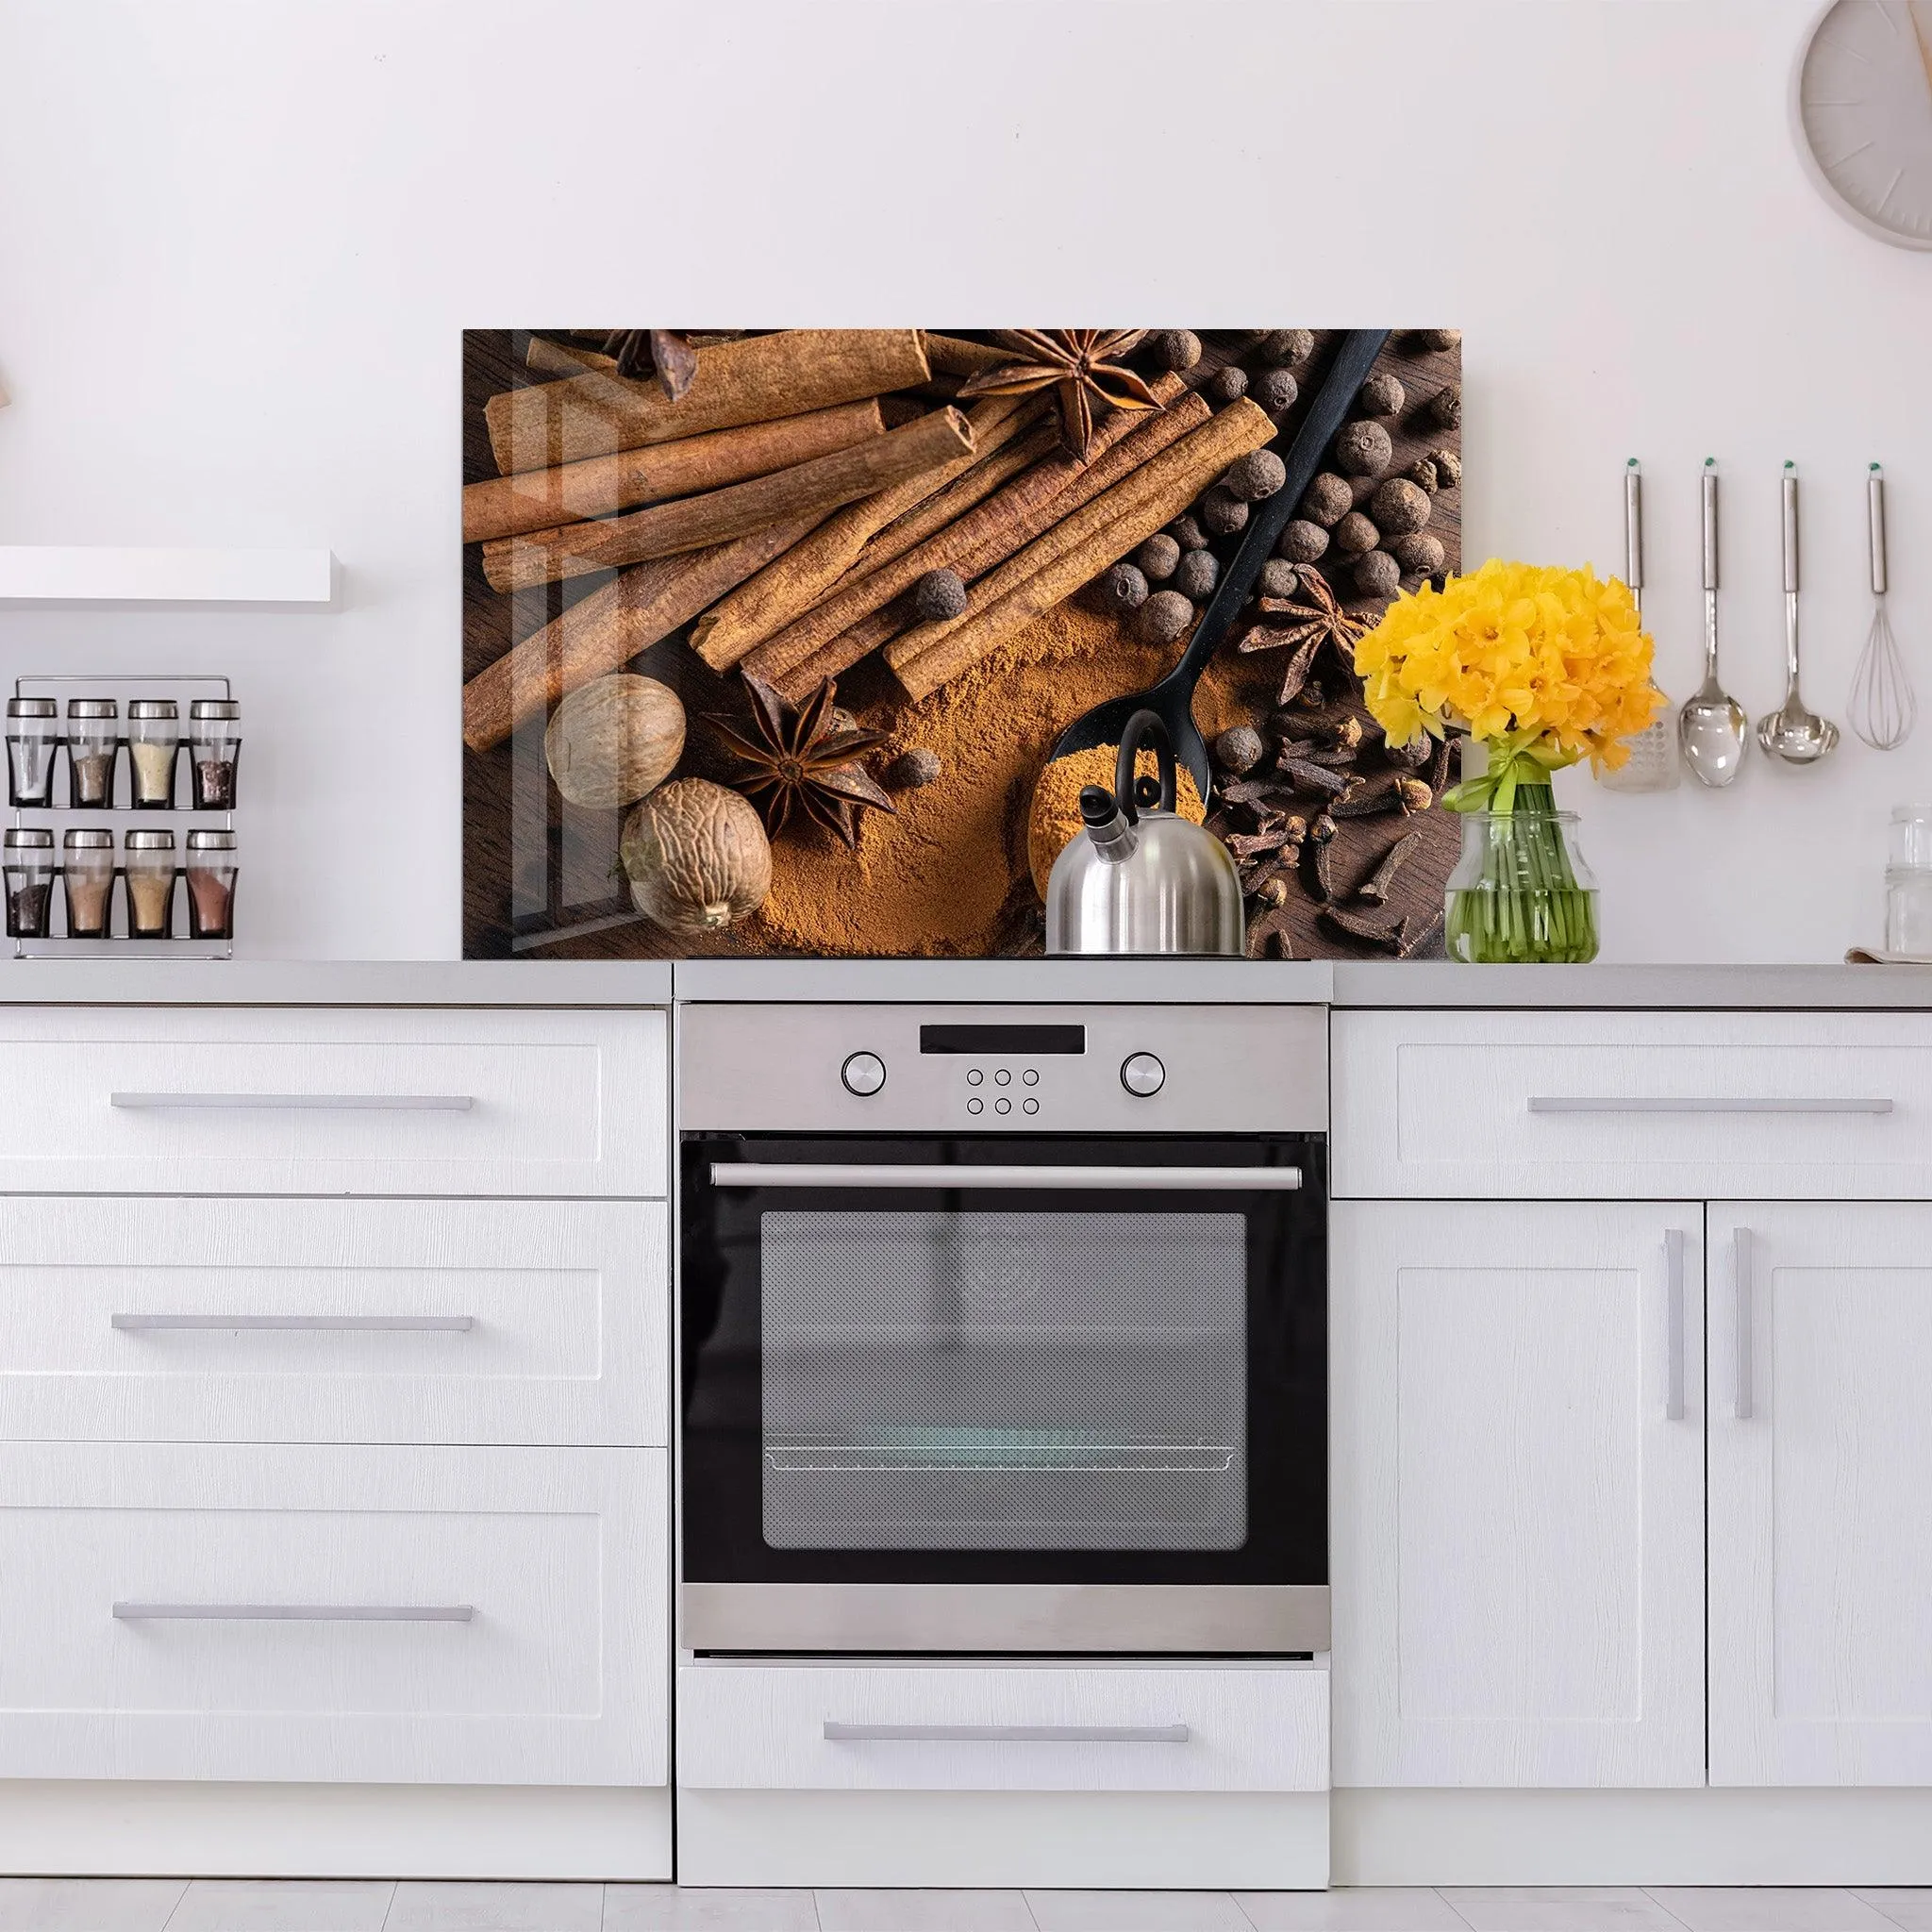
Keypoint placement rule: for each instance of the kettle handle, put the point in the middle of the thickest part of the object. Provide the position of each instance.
(1147, 725)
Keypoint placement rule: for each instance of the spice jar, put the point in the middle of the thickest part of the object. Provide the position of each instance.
(33, 735)
(214, 743)
(149, 860)
(86, 871)
(153, 742)
(30, 869)
(93, 738)
(211, 865)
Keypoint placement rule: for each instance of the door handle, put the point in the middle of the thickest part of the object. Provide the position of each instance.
(326, 1103)
(1565, 1102)
(1674, 1325)
(454, 1324)
(1220, 1180)
(1741, 1285)
(296, 1613)
(837, 1733)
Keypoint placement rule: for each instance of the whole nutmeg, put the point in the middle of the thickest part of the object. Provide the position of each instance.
(1445, 406)
(1329, 498)
(1436, 338)
(1287, 344)
(1222, 512)
(1274, 390)
(1123, 588)
(1363, 449)
(1279, 577)
(1301, 541)
(911, 768)
(1399, 507)
(1448, 467)
(697, 857)
(1377, 575)
(1187, 533)
(1196, 575)
(1174, 348)
(1255, 477)
(611, 740)
(1420, 555)
(1355, 534)
(938, 595)
(1157, 557)
(1381, 395)
(1227, 385)
(1164, 617)
(1421, 473)
(1239, 749)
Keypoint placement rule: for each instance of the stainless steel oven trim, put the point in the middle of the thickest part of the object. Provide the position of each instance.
(1248, 1619)
(1220, 1180)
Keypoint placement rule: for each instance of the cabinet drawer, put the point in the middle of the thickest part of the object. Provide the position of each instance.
(865, 1727)
(1606, 1106)
(332, 1102)
(138, 1318)
(445, 1616)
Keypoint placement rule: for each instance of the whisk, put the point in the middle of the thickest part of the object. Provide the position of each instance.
(1883, 708)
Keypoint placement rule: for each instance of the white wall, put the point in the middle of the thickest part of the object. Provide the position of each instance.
(239, 238)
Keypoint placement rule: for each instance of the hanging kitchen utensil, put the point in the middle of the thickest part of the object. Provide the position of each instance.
(1883, 707)
(1652, 765)
(1793, 732)
(1711, 725)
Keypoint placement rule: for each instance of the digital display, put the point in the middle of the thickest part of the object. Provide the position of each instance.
(1002, 1039)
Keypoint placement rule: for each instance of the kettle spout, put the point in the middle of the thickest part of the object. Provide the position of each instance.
(1112, 833)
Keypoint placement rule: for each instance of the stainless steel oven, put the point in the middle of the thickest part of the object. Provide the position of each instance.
(1004, 1329)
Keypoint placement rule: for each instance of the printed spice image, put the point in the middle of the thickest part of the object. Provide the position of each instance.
(769, 636)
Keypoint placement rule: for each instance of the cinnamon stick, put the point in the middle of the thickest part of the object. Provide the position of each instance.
(955, 356)
(598, 486)
(563, 359)
(799, 578)
(603, 631)
(1077, 549)
(748, 381)
(855, 619)
(696, 522)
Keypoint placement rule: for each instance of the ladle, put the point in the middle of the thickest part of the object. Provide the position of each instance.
(1793, 733)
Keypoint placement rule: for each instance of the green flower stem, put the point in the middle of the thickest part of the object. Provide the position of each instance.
(1528, 907)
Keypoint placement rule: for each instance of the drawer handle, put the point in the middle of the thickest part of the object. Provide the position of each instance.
(1220, 1180)
(329, 1103)
(1564, 1103)
(1674, 1325)
(1740, 1286)
(297, 1613)
(837, 1733)
(450, 1324)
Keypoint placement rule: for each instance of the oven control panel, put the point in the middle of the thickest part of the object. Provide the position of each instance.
(1164, 1069)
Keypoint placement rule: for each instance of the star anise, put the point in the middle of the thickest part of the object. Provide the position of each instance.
(1075, 362)
(803, 754)
(1313, 611)
(642, 351)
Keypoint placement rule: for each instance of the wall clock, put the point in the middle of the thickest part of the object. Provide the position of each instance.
(1861, 112)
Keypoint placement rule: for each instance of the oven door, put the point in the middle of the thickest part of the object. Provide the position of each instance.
(1004, 1393)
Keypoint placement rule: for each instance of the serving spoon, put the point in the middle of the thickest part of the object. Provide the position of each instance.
(1711, 724)
(1793, 733)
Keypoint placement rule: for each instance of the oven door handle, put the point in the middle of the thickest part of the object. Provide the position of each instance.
(1220, 1180)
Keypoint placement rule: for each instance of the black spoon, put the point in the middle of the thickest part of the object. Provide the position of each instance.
(1173, 699)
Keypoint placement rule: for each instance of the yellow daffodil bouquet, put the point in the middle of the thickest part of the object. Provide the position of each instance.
(1544, 667)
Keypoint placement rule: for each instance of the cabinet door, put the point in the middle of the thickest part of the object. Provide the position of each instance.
(1518, 1493)
(1820, 1494)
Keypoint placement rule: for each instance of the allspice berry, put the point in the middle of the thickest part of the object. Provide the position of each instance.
(1187, 533)
(1227, 385)
(1157, 557)
(1377, 575)
(911, 768)
(1197, 574)
(1355, 534)
(1381, 395)
(1164, 617)
(1329, 498)
(1222, 512)
(938, 595)
(1363, 449)
(1287, 344)
(1437, 338)
(1279, 577)
(1274, 390)
(1255, 477)
(1448, 467)
(1446, 410)
(1421, 473)
(1420, 556)
(1174, 348)
(1399, 507)
(1123, 588)
(1239, 749)
(1301, 541)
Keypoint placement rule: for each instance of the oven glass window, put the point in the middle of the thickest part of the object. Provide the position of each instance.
(959, 1380)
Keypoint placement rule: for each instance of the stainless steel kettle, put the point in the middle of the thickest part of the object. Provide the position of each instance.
(1136, 878)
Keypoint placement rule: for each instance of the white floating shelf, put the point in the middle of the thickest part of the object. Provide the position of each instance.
(78, 575)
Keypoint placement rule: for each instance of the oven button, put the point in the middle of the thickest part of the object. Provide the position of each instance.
(975, 1105)
(863, 1073)
(1002, 1106)
(1031, 1105)
(1031, 1077)
(1003, 1079)
(1142, 1074)
(974, 1076)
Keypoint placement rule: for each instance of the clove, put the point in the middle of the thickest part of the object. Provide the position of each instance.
(1385, 797)
(1416, 936)
(1324, 869)
(1411, 757)
(1252, 844)
(1388, 938)
(1375, 887)
(1316, 778)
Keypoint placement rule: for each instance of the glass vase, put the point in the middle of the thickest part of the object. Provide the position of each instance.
(1520, 894)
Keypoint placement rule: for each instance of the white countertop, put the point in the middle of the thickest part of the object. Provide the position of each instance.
(334, 983)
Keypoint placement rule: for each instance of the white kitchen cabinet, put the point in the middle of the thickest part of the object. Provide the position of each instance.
(1518, 1493)
(1820, 1494)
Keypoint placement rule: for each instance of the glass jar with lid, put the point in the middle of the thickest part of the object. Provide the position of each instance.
(87, 871)
(148, 864)
(154, 745)
(94, 743)
(30, 869)
(1908, 883)
(33, 736)
(214, 745)
(211, 868)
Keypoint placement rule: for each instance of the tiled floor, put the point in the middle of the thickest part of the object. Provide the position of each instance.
(209, 1905)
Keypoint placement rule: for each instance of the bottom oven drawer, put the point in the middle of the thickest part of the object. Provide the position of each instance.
(447, 1616)
(1046, 1727)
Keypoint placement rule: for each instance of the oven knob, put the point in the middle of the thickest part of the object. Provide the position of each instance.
(863, 1072)
(1142, 1073)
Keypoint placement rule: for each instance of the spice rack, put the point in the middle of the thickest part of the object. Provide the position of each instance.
(121, 814)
